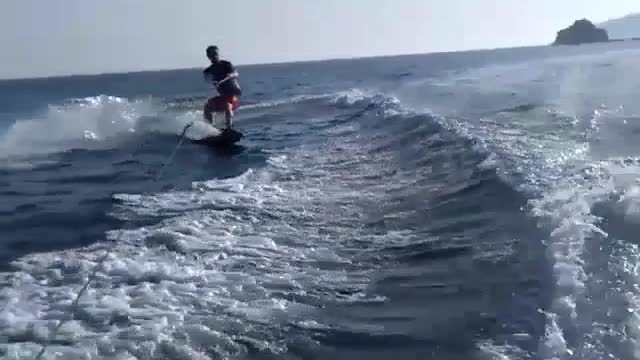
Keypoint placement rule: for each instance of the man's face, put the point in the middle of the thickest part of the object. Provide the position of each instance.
(213, 56)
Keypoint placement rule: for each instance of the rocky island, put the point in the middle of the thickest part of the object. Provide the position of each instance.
(581, 32)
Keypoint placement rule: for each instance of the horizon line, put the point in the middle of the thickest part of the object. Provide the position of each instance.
(286, 62)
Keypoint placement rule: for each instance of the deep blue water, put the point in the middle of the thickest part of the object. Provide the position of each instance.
(477, 205)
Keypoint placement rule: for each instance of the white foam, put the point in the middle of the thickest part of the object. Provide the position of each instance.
(351, 97)
(553, 345)
(560, 152)
(590, 305)
(79, 124)
(223, 262)
(287, 101)
(491, 351)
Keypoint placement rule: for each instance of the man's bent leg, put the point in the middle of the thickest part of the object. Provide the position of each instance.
(230, 106)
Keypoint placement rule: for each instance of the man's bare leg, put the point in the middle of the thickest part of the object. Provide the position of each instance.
(228, 113)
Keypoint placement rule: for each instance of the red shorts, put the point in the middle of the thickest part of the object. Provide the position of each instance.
(221, 103)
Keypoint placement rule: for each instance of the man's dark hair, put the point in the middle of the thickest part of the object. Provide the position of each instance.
(212, 49)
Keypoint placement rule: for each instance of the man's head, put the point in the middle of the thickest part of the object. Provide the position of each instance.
(212, 53)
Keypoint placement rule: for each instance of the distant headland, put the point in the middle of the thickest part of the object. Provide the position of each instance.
(584, 32)
(626, 27)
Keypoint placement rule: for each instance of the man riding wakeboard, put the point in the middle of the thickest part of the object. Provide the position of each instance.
(224, 77)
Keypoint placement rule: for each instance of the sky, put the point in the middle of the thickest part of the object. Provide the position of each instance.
(61, 37)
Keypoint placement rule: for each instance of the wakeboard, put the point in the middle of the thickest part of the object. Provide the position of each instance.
(226, 137)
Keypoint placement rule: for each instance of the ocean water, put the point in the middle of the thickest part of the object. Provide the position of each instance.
(477, 205)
